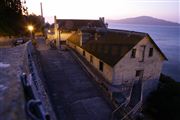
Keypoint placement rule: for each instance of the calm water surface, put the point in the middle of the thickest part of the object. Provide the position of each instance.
(167, 38)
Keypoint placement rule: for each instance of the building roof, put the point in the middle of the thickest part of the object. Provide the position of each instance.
(75, 24)
(112, 45)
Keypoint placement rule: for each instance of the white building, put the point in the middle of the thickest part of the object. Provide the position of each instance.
(129, 61)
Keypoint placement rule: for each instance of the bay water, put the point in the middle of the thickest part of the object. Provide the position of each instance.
(168, 40)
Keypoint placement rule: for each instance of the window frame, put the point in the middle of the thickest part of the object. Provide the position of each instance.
(151, 51)
(91, 59)
(133, 53)
(84, 53)
(101, 66)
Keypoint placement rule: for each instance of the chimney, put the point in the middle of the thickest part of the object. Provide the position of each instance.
(41, 9)
(102, 19)
(55, 21)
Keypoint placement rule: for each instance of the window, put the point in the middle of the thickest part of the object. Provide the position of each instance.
(133, 54)
(84, 53)
(150, 52)
(139, 73)
(91, 59)
(101, 65)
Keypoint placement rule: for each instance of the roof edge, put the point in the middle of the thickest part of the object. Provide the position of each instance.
(147, 35)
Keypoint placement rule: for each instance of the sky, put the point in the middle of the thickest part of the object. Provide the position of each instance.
(110, 9)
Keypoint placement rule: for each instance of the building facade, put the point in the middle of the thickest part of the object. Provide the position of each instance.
(129, 61)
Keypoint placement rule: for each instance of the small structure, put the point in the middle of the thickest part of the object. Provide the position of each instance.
(130, 62)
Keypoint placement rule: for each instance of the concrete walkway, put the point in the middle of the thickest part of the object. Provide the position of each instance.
(73, 94)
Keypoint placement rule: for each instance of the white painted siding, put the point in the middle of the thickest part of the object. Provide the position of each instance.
(124, 72)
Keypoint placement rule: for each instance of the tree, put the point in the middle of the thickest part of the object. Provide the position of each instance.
(11, 17)
(36, 21)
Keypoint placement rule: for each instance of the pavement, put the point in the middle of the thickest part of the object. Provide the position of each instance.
(11, 92)
(72, 93)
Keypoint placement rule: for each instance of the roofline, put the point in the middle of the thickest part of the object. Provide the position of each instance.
(128, 31)
(147, 35)
(78, 19)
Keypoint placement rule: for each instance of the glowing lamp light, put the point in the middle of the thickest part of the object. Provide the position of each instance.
(30, 28)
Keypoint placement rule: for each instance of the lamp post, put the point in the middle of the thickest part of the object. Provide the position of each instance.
(30, 28)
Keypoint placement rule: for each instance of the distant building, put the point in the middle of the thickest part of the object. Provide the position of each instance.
(130, 62)
(64, 28)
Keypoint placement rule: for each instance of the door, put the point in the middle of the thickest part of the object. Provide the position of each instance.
(139, 74)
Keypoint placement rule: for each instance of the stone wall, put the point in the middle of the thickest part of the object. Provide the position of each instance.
(14, 62)
(12, 104)
(5, 41)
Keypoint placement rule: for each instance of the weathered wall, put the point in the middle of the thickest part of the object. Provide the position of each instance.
(125, 69)
(65, 36)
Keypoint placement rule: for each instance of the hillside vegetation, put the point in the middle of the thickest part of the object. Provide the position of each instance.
(164, 103)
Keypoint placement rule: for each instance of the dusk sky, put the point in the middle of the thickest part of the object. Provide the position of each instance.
(110, 9)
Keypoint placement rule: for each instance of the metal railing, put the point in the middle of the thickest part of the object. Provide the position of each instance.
(133, 111)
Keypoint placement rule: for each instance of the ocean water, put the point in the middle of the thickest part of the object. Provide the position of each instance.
(168, 40)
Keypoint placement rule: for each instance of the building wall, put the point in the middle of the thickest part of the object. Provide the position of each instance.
(125, 69)
(65, 36)
(107, 70)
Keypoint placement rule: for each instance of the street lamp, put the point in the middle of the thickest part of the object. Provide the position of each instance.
(30, 28)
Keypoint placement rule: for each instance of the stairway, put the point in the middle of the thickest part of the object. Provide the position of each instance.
(135, 94)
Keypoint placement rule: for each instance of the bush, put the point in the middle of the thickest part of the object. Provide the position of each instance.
(164, 103)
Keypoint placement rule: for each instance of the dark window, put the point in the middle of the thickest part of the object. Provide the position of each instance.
(139, 73)
(101, 65)
(91, 59)
(133, 54)
(150, 52)
(84, 53)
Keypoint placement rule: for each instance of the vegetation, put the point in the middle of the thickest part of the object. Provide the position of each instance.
(11, 17)
(14, 19)
(36, 21)
(164, 103)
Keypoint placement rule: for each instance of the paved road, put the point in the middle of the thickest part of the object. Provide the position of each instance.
(72, 92)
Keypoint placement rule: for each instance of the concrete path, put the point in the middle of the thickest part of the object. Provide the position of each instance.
(73, 94)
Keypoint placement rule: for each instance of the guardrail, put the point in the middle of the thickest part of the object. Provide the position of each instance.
(33, 88)
(133, 111)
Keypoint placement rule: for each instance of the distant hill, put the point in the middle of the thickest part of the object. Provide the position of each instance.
(145, 20)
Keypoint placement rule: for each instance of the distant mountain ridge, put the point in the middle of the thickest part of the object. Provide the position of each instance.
(145, 20)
